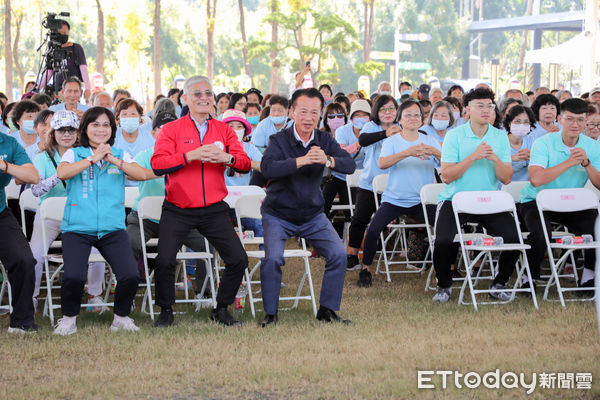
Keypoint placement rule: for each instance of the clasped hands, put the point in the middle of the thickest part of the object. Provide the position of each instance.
(209, 153)
(315, 155)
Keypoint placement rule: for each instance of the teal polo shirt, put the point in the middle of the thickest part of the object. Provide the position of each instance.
(460, 143)
(549, 151)
(14, 153)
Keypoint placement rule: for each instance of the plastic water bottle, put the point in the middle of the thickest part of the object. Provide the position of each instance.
(575, 239)
(240, 300)
(249, 234)
(483, 241)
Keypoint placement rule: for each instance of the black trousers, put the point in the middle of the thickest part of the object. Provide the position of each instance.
(332, 188)
(214, 223)
(386, 213)
(445, 250)
(579, 223)
(116, 250)
(365, 207)
(19, 264)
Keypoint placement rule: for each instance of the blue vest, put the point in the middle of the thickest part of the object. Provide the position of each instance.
(95, 198)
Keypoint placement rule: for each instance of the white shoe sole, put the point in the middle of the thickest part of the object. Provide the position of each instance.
(65, 333)
(19, 331)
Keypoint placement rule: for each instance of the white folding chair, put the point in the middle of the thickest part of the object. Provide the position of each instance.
(483, 203)
(5, 288)
(151, 208)
(27, 202)
(249, 207)
(565, 200)
(589, 185)
(397, 231)
(352, 182)
(131, 195)
(514, 189)
(12, 190)
(52, 209)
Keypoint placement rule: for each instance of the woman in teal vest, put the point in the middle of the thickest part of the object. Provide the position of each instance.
(95, 216)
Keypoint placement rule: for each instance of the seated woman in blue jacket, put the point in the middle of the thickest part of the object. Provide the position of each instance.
(411, 158)
(95, 217)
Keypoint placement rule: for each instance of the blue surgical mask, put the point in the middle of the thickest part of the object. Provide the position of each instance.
(130, 125)
(278, 120)
(28, 126)
(253, 120)
(439, 124)
(385, 92)
(406, 92)
(359, 122)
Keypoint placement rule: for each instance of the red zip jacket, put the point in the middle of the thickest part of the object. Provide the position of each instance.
(195, 184)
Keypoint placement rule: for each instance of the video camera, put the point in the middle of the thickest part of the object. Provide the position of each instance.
(54, 56)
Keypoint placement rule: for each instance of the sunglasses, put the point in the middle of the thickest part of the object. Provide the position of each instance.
(338, 115)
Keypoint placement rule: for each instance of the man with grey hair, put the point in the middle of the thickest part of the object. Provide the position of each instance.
(193, 152)
(103, 99)
(384, 88)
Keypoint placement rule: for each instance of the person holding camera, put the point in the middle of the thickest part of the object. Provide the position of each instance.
(76, 62)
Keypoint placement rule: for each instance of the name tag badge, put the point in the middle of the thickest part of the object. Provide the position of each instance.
(113, 170)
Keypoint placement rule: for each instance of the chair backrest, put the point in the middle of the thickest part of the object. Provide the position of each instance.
(566, 200)
(483, 202)
(52, 208)
(235, 192)
(131, 194)
(514, 189)
(150, 207)
(352, 180)
(379, 183)
(248, 206)
(28, 201)
(12, 190)
(430, 192)
(590, 185)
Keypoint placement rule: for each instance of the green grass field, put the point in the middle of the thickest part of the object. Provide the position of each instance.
(396, 331)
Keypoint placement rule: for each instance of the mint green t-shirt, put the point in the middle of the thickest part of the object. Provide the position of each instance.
(460, 143)
(550, 150)
(153, 187)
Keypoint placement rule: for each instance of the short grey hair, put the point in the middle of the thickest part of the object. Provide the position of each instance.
(383, 83)
(97, 95)
(195, 79)
(435, 89)
(164, 105)
(440, 104)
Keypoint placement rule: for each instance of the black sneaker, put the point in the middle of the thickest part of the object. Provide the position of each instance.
(586, 293)
(165, 319)
(352, 262)
(365, 279)
(222, 316)
(33, 328)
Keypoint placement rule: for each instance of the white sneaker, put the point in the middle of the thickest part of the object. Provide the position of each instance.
(442, 295)
(95, 300)
(498, 295)
(123, 324)
(66, 326)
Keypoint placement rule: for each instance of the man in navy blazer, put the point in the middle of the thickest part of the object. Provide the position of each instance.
(293, 164)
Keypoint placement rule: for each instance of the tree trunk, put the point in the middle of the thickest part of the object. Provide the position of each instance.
(20, 75)
(244, 40)
(157, 62)
(274, 61)
(8, 55)
(365, 32)
(525, 34)
(210, 37)
(100, 39)
(370, 38)
(299, 43)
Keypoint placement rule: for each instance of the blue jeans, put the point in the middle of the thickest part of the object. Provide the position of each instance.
(321, 235)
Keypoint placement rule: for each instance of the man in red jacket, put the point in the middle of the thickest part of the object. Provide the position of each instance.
(193, 152)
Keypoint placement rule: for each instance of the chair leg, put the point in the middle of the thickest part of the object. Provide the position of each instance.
(310, 285)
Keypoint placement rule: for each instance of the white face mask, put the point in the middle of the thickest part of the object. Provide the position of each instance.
(240, 133)
(520, 130)
(385, 92)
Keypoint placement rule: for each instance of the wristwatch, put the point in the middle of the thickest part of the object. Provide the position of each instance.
(231, 160)
(328, 162)
(90, 159)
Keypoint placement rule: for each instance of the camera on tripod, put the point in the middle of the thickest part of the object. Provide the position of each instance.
(54, 57)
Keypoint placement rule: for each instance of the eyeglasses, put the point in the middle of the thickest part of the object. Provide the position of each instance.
(198, 94)
(64, 131)
(482, 106)
(338, 115)
(387, 110)
(409, 116)
(593, 126)
(98, 125)
(518, 121)
(570, 119)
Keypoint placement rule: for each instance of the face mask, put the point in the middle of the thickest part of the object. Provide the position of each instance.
(240, 133)
(28, 126)
(12, 125)
(253, 120)
(520, 130)
(130, 125)
(406, 92)
(335, 123)
(278, 120)
(456, 115)
(386, 92)
(359, 122)
(439, 124)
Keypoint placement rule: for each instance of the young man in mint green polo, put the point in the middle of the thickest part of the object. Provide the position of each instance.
(475, 156)
(563, 159)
